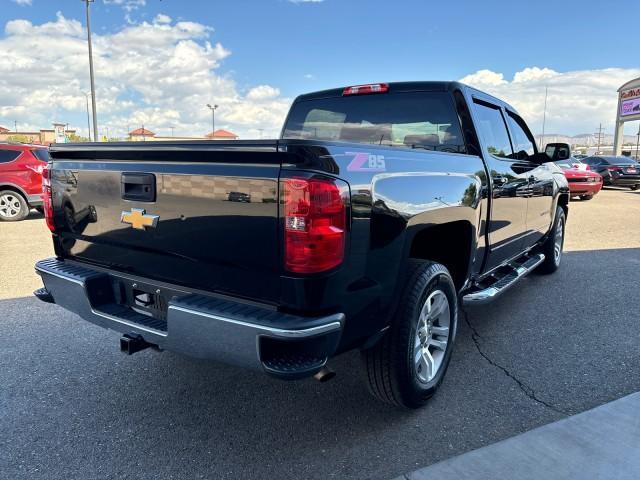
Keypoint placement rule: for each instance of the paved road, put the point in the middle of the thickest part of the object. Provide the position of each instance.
(72, 406)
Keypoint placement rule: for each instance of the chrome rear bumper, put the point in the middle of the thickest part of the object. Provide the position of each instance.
(197, 325)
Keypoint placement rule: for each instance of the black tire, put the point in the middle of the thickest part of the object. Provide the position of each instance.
(13, 206)
(40, 209)
(391, 371)
(634, 187)
(552, 261)
(586, 197)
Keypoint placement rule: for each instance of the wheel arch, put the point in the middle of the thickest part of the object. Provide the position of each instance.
(450, 244)
(15, 188)
(563, 201)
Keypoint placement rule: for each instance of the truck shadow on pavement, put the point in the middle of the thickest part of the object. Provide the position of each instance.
(71, 403)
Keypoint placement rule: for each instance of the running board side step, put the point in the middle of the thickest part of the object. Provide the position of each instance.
(503, 283)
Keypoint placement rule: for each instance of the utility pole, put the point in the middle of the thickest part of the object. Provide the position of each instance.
(213, 119)
(15, 126)
(599, 133)
(544, 116)
(93, 86)
(638, 143)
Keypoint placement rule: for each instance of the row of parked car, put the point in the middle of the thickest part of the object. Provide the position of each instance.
(587, 174)
(21, 175)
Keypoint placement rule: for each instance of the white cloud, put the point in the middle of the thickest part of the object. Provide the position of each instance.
(160, 18)
(127, 5)
(578, 101)
(263, 92)
(161, 74)
(23, 3)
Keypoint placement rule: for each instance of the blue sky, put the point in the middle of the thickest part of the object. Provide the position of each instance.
(295, 47)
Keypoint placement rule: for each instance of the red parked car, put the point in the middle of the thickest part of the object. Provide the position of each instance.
(20, 179)
(582, 183)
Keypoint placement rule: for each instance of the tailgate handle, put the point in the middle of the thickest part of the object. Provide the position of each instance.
(140, 187)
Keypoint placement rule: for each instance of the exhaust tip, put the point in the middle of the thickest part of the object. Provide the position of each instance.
(324, 375)
(44, 295)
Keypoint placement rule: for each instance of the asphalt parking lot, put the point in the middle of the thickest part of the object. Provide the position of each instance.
(72, 406)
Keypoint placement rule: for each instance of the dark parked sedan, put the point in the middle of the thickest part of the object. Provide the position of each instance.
(616, 171)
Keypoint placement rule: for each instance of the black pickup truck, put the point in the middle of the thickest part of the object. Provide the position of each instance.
(379, 211)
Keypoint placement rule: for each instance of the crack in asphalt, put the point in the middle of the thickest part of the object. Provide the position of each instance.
(526, 389)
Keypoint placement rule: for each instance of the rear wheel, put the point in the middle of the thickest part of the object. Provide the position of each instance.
(13, 206)
(634, 187)
(553, 245)
(407, 365)
(586, 197)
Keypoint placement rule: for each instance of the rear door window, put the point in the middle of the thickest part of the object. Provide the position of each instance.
(41, 154)
(493, 130)
(426, 120)
(7, 156)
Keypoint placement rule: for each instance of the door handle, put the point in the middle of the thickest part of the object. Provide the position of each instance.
(139, 187)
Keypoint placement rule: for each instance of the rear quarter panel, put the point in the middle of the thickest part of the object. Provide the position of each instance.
(395, 194)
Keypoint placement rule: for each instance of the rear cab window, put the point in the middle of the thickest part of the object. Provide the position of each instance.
(425, 120)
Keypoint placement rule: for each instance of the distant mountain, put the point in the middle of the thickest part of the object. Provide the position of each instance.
(584, 139)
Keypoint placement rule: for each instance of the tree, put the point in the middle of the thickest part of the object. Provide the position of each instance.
(19, 139)
(73, 138)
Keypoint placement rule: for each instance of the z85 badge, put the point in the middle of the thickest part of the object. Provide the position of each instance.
(366, 162)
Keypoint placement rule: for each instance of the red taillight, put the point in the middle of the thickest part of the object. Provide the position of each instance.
(613, 169)
(47, 200)
(366, 89)
(314, 225)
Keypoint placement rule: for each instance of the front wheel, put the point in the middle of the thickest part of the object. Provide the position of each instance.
(634, 187)
(553, 245)
(586, 197)
(407, 365)
(13, 206)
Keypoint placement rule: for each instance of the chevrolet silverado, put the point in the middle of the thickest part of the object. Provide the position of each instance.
(380, 210)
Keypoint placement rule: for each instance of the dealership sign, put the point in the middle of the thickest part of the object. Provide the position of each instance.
(630, 107)
(630, 102)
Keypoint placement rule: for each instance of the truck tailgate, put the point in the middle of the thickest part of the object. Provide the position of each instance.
(201, 216)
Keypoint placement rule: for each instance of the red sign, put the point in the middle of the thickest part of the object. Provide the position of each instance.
(633, 93)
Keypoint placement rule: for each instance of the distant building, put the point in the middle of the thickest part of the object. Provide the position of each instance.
(222, 135)
(144, 135)
(141, 135)
(44, 136)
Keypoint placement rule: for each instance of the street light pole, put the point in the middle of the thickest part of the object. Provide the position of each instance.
(93, 86)
(213, 119)
(86, 97)
(638, 143)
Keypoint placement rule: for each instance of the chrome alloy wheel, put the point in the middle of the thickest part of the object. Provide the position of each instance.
(557, 245)
(432, 336)
(9, 205)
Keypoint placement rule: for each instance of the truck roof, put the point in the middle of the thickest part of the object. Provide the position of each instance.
(428, 86)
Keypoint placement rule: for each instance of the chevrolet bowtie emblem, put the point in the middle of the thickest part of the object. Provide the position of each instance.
(138, 219)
